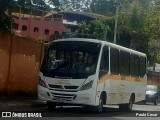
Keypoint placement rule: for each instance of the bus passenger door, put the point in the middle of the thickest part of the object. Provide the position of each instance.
(103, 70)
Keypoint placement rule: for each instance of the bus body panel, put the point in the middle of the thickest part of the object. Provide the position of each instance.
(62, 95)
(86, 97)
(119, 91)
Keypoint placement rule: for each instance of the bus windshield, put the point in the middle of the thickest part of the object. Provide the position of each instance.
(71, 59)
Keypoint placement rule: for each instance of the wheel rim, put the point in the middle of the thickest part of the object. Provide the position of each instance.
(156, 101)
(100, 107)
(130, 104)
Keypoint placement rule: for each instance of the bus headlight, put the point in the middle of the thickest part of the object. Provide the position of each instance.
(87, 85)
(42, 83)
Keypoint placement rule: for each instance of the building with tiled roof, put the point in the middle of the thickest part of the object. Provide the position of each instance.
(49, 24)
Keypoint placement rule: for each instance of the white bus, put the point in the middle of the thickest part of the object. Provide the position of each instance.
(92, 73)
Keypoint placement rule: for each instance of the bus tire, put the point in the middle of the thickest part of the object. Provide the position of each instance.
(88, 108)
(99, 108)
(127, 107)
(144, 102)
(51, 105)
(155, 101)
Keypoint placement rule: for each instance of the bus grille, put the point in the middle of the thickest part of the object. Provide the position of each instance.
(55, 86)
(71, 87)
(63, 97)
(63, 87)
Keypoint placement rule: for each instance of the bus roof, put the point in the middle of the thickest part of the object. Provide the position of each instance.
(103, 43)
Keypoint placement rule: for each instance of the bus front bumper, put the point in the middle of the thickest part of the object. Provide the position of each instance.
(85, 97)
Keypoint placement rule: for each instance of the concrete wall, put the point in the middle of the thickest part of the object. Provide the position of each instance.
(5, 47)
(20, 60)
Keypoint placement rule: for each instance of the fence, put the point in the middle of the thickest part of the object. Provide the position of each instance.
(20, 60)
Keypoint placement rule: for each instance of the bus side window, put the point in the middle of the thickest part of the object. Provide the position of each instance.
(124, 65)
(104, 65)
(142, 69)
(114, 59)
(134, 65)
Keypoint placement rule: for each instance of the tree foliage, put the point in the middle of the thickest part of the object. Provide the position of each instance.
(56, 4)
(76, 5)
(83, 27)
(99, 26)
(5, 18)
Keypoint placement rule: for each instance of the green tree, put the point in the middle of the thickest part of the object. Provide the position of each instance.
(75, 5)
(24, 2)
(98, 26)
(105, 7)
(56, 3)
(39, 4)
(83, 27)
(26, 6)
(141, 20)
(152, 29)
(132, 21)
(5, 17)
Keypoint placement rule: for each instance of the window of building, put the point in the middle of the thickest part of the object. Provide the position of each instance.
(114, 58)
(134, 65)
(36, 29)
(15, 26)
(142, 69)
(24, 28)
(124, 65)
(56, 33)
(46, 31)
